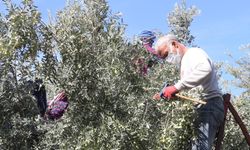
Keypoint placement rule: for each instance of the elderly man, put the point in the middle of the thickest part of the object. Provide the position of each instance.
(196, 69)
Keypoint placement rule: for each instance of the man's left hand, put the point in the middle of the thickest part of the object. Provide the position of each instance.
(157, 96)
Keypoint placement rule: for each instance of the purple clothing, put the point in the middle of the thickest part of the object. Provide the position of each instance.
(150, 49)
(58, 109)
(57, 106)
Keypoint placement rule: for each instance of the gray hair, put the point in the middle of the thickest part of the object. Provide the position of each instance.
(166, 39)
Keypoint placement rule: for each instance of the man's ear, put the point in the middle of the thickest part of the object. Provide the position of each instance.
(174, 44)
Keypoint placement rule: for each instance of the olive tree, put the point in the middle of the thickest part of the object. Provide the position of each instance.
(234, 138)
(180, 20)
(111, 104)
(83, 51)
(21, 41)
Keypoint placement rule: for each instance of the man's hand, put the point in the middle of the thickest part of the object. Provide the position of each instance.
(168, 92)
(157, 96)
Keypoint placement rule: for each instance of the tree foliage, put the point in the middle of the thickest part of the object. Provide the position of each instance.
(84, 52)
(180, 20)
(19, 44)
(234, 138)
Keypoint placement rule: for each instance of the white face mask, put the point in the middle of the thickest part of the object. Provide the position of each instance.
(174, 58)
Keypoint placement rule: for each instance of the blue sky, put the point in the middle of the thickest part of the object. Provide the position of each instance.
(221, 27)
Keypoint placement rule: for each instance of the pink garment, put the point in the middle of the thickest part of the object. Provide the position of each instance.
(150, 49)
(57, 106)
